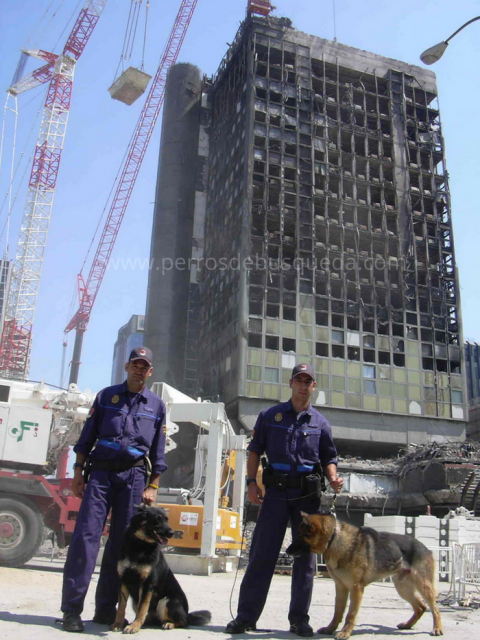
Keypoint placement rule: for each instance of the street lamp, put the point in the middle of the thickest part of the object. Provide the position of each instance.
(436, 52)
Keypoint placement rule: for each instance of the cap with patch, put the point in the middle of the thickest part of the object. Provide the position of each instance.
(141, 353)
(303, 368)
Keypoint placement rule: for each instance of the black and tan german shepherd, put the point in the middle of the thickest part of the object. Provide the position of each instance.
(355, 557)
(157, 597)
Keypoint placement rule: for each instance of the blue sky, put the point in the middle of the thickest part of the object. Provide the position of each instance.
(99, 130)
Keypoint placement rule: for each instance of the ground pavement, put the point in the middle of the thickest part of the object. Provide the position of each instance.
(30, 599)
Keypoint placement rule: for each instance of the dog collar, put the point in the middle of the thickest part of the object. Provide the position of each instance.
(331, 539)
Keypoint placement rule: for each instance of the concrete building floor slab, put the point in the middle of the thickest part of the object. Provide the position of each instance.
(30, 600)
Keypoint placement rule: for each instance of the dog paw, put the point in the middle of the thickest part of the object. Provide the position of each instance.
(404, 625)
(168, 625)
(436, 632)
(132, 628)
(327, 631)
(342, 635)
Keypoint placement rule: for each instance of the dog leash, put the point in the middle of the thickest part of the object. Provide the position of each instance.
(332, 508)
(236, 573)
(239, 557)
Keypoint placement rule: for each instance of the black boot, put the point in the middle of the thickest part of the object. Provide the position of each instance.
(72, 622)
(302, 629)
(102, 616)
(239, 626)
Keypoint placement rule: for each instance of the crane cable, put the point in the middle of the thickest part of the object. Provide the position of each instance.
(36, 27)
(47, 26)
(145, 35)
(21, 157)
(127, 36)
(68, 23)
(130, 35)
(14, 110)
(133, 28)
(3, 129)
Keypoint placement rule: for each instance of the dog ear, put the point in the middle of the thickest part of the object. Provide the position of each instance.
(139, 518)
(305, 518)
(137, 521)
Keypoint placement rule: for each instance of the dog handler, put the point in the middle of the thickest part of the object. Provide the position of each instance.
(125, 425)
(296, 440)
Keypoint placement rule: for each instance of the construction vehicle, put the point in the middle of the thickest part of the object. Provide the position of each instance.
(202, 528)
(37, 426)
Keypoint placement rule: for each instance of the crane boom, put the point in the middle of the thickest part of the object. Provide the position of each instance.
(25, 279)
(36, 77)
(136, 152)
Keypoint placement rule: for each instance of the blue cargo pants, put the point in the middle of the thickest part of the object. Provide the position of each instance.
(119, 491)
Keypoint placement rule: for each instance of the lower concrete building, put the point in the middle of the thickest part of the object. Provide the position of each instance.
(129, 337)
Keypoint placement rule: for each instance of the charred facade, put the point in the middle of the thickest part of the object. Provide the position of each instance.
(322, 234)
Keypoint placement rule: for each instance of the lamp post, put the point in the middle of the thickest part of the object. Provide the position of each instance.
(434, 53)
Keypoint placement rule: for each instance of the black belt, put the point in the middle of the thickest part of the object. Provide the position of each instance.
(116, 465)
(283, 481)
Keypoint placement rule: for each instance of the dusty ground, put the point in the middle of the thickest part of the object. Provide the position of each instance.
(30, 599)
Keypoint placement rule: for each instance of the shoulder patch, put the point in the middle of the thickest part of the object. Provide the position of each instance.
(115, 399)
(278, 417)
(90, 413)
(164, 429)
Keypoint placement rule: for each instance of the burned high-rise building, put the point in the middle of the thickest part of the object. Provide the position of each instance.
(303, 215)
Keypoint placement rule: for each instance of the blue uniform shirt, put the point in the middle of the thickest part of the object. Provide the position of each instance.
(293, 441)
(122, 426)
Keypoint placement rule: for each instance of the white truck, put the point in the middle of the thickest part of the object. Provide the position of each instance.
(37, 425)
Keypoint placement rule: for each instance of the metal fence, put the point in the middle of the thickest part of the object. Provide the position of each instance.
(466, 569)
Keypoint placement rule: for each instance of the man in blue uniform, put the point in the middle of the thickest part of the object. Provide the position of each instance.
(296, 439)
(123, 435)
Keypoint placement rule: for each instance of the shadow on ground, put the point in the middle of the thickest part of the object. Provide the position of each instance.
(43, 567)
(254, 635)
(387, 631)
(47, 621)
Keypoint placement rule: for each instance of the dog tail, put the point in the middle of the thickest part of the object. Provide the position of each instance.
(199, 618)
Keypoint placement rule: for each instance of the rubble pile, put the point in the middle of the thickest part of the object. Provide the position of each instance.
(356, 462)
(452, 452)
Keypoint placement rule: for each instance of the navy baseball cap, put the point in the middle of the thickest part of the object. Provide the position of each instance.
(141, 353)
(303, 368)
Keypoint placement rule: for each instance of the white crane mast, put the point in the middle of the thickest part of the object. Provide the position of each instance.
(27, 266)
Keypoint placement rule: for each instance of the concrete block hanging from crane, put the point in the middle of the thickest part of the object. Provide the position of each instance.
(129, 85)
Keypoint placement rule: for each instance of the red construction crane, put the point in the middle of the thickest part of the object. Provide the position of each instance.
(27, 266)
(87, 291)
